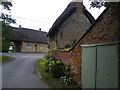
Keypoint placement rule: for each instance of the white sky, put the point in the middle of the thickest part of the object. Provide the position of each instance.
(37, 14)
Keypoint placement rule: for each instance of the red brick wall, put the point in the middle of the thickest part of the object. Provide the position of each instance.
(104, 31)
(63, 56)
(75, 62)
(71, 59)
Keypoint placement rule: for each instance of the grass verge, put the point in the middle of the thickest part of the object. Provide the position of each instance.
(49, 79)
(5, 59)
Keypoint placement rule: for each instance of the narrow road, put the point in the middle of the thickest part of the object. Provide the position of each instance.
(20, 72)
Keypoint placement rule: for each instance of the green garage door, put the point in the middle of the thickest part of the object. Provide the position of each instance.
(88, 67)
(100, 67)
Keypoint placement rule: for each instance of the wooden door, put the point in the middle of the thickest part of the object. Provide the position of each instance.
(100, 67)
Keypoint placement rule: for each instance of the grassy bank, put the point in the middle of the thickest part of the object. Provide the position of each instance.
(49, 79)
(5, 59)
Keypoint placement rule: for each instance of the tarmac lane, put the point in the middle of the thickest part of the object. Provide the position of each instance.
(20, 72)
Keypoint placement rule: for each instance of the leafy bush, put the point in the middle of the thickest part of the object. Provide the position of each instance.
(49, 57)
(53, 66)
(56, 69)
(65, 80)
(45, 63)
(5, 45)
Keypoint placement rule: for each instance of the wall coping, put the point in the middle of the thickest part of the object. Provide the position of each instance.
(63, 50)
(102, 44)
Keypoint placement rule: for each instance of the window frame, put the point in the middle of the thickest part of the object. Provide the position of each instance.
(29, 45)
(41, 46)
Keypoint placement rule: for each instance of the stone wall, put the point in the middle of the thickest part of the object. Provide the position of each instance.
(53, 41)
(74, 27)
(103, 32)
(24, 47)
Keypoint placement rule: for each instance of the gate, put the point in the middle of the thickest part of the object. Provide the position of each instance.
(100, 66)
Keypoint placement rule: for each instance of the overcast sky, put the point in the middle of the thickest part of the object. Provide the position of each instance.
(37, 14)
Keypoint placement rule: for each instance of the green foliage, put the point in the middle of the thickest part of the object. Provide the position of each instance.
(65, 80)
(56, 68)
(6, 28)
(48, 78)
(49, 56)
(5, 45)
(6, 31)
(49, 46)
(6, 59)
(97, 4)
(6, 5)
(67, 46)
(113, 5)
(7, 19)
(53, 66)
(105, 3)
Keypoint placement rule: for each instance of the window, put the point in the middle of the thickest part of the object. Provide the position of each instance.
(29, 45)
(41, 46)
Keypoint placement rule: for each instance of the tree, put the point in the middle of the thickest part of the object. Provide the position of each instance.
(6, 28)
(105, 3)
(113, 5)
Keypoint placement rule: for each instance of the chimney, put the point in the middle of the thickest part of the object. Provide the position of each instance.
(79, 5)
(19, 26)
(39, 29)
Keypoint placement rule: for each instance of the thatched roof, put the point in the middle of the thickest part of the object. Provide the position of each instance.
(66, 13)
(28, 35)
